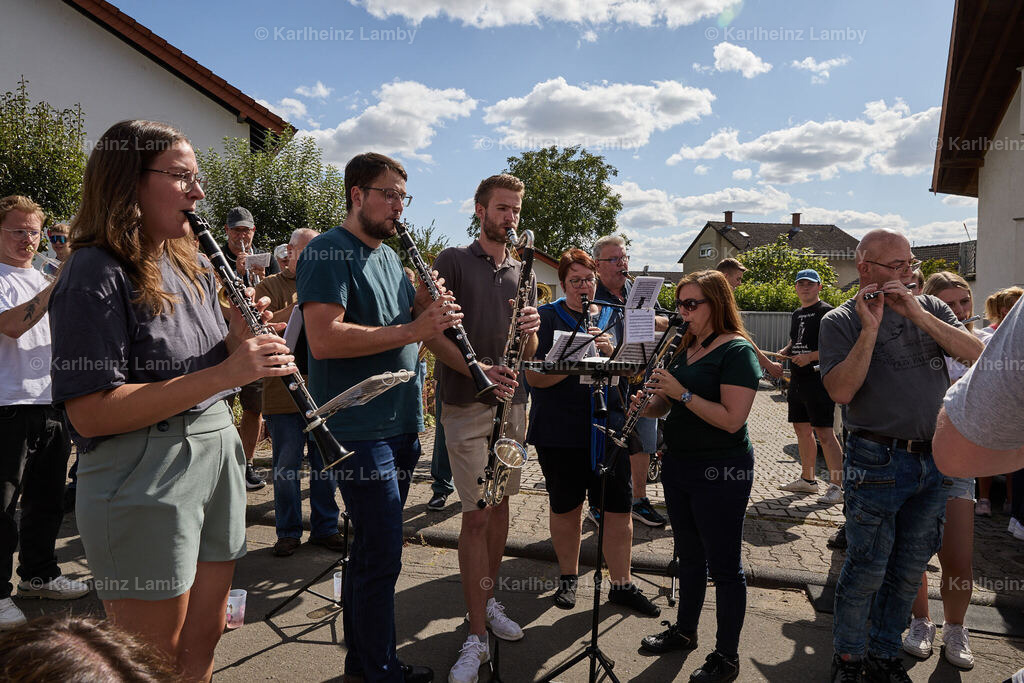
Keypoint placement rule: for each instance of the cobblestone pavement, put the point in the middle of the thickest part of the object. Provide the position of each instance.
(785, 533)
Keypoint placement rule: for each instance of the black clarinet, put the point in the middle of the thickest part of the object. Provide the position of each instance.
(457, 334)
(331, 451)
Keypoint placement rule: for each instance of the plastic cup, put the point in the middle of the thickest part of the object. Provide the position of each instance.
(337, 586)
(236, 608)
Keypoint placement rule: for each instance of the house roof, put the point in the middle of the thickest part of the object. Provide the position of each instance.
(950, 251)
(245, 108)
(823, 238)
(671, 276)
(985, 51)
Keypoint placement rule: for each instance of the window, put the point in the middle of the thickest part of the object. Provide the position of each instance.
(706, 250)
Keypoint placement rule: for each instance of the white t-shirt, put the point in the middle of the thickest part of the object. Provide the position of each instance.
(25, 361)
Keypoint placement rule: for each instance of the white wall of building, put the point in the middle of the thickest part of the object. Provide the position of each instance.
(1001, 210)
(69, 59)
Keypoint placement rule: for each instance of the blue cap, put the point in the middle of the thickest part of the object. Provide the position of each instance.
(808, 274)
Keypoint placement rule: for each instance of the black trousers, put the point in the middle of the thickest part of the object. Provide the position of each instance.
(34, 450)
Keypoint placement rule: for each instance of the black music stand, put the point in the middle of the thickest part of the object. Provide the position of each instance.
(307, 587)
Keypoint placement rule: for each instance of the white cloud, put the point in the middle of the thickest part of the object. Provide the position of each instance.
(468, 206)
(957, 200)
(701, 169)
(889, 139)
(742, 174)
(613, 115)
(646, 209)
(288, 108)
(729, 57)
(447, 200)
(487, 14)
(660, 252)
(317, 90)
(757, 201)
(943, 231)
(402, 123)
(821, 71)
(854, 222)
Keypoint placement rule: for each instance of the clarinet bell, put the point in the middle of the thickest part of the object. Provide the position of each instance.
(331, 451)
(600, 406)
(484, 385)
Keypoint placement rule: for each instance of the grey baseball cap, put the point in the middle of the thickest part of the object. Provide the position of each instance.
(240, 216)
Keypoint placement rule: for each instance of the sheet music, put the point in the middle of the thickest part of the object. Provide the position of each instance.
(293, 328)
(579, 348)
(645, 287)
(260, 260)
(636, 353)
(364, 392)
(639, 325)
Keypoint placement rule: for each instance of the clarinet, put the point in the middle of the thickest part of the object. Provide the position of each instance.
(332, 451)
(457, 334)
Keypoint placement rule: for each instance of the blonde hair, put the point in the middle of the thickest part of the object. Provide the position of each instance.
(61, 229)
(725, 316)
(17, 202)
(943, 280)
(110, 217)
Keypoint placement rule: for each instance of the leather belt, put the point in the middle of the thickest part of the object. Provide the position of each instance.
(908, 445)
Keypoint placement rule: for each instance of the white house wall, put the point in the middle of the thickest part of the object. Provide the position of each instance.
(1001, 201)
(69, 59)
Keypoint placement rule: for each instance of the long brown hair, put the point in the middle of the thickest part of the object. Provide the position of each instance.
(110, 217)
(725, 317)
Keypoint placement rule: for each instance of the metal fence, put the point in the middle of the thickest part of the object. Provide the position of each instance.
(769, 330)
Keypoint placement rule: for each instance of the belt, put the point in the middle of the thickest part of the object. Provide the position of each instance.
(908, 445)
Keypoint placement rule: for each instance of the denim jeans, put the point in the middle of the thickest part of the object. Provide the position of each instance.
(440, 467)
(374, 484)
(707, 502)
(288, 441)
(34, 450)
(895, 509)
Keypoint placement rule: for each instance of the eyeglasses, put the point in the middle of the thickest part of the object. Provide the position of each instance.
(187, 179)
(392, 196)
(242, 228)
(579, 282)
(58, 239)
(690, 304)
(21, 233)
(905, 267)
(618, 260)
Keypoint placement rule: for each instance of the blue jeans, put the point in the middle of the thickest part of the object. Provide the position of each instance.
(288, 441)
(707, 502)
(440, 468)
(895, 509)
(374, 484)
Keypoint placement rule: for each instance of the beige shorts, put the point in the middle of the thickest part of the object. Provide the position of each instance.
(467, 427)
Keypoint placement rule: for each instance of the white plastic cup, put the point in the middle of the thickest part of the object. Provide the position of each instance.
(337, 586)
(236, 608)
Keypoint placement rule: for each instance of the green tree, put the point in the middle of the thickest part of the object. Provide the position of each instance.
(937, 265)
(428, 243)
(568, 201)
(286, 186)
(771, 273)
(42, 153)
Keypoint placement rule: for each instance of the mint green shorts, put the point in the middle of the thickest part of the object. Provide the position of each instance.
(153, 503)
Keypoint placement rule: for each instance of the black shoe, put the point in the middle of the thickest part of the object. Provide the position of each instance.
(667, 641)
(565, 596)
(630, 596)
(437, 502)
(717, 668)
(846, 671)
(645, 513)
(417, 674)
(69, 500)
(253, 481)
(837, 540)
(334, 542)
(286, 546)
(885, 670)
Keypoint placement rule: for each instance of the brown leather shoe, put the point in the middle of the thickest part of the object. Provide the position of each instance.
(286, 546)
(333, 542)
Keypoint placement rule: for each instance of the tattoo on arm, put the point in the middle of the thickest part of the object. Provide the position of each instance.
(30, 309)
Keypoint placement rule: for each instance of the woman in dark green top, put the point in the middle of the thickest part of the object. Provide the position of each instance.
(706, 391)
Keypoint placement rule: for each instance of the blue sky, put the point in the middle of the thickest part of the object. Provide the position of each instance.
(760, 107)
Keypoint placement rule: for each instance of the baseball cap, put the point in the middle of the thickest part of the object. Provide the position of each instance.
(808, 274)
(240, 216)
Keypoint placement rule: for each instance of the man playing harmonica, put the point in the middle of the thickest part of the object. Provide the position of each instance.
(484, 277)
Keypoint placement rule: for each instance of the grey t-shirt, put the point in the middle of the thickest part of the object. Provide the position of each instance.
(102, 340)
(907, 377)
(985, 405)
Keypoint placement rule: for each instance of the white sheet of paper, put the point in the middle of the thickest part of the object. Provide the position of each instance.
(636, 353)
(292, 329)
(260, 260)
(645, 287)
(639, 325)
(579, 348)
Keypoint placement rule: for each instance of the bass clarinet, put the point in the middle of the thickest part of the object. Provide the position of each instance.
(457, 334)
(330, 449)
(504, 453)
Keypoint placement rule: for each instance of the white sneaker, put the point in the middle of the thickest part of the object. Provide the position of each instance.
(471, 656)
(920, 638)
(833, 494)
(1016, 529)
(956, 647)
(60, 588)
(10, 615)
(800, 486)
(500, 625)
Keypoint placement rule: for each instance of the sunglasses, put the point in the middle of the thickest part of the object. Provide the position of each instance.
(58, 239)
(690, 304)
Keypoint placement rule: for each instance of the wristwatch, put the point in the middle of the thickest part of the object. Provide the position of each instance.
(685, 397)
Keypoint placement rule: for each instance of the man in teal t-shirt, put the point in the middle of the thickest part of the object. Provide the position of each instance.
(361, 319)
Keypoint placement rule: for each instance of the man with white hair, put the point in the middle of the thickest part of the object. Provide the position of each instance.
(286, 431)
(883, 353)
